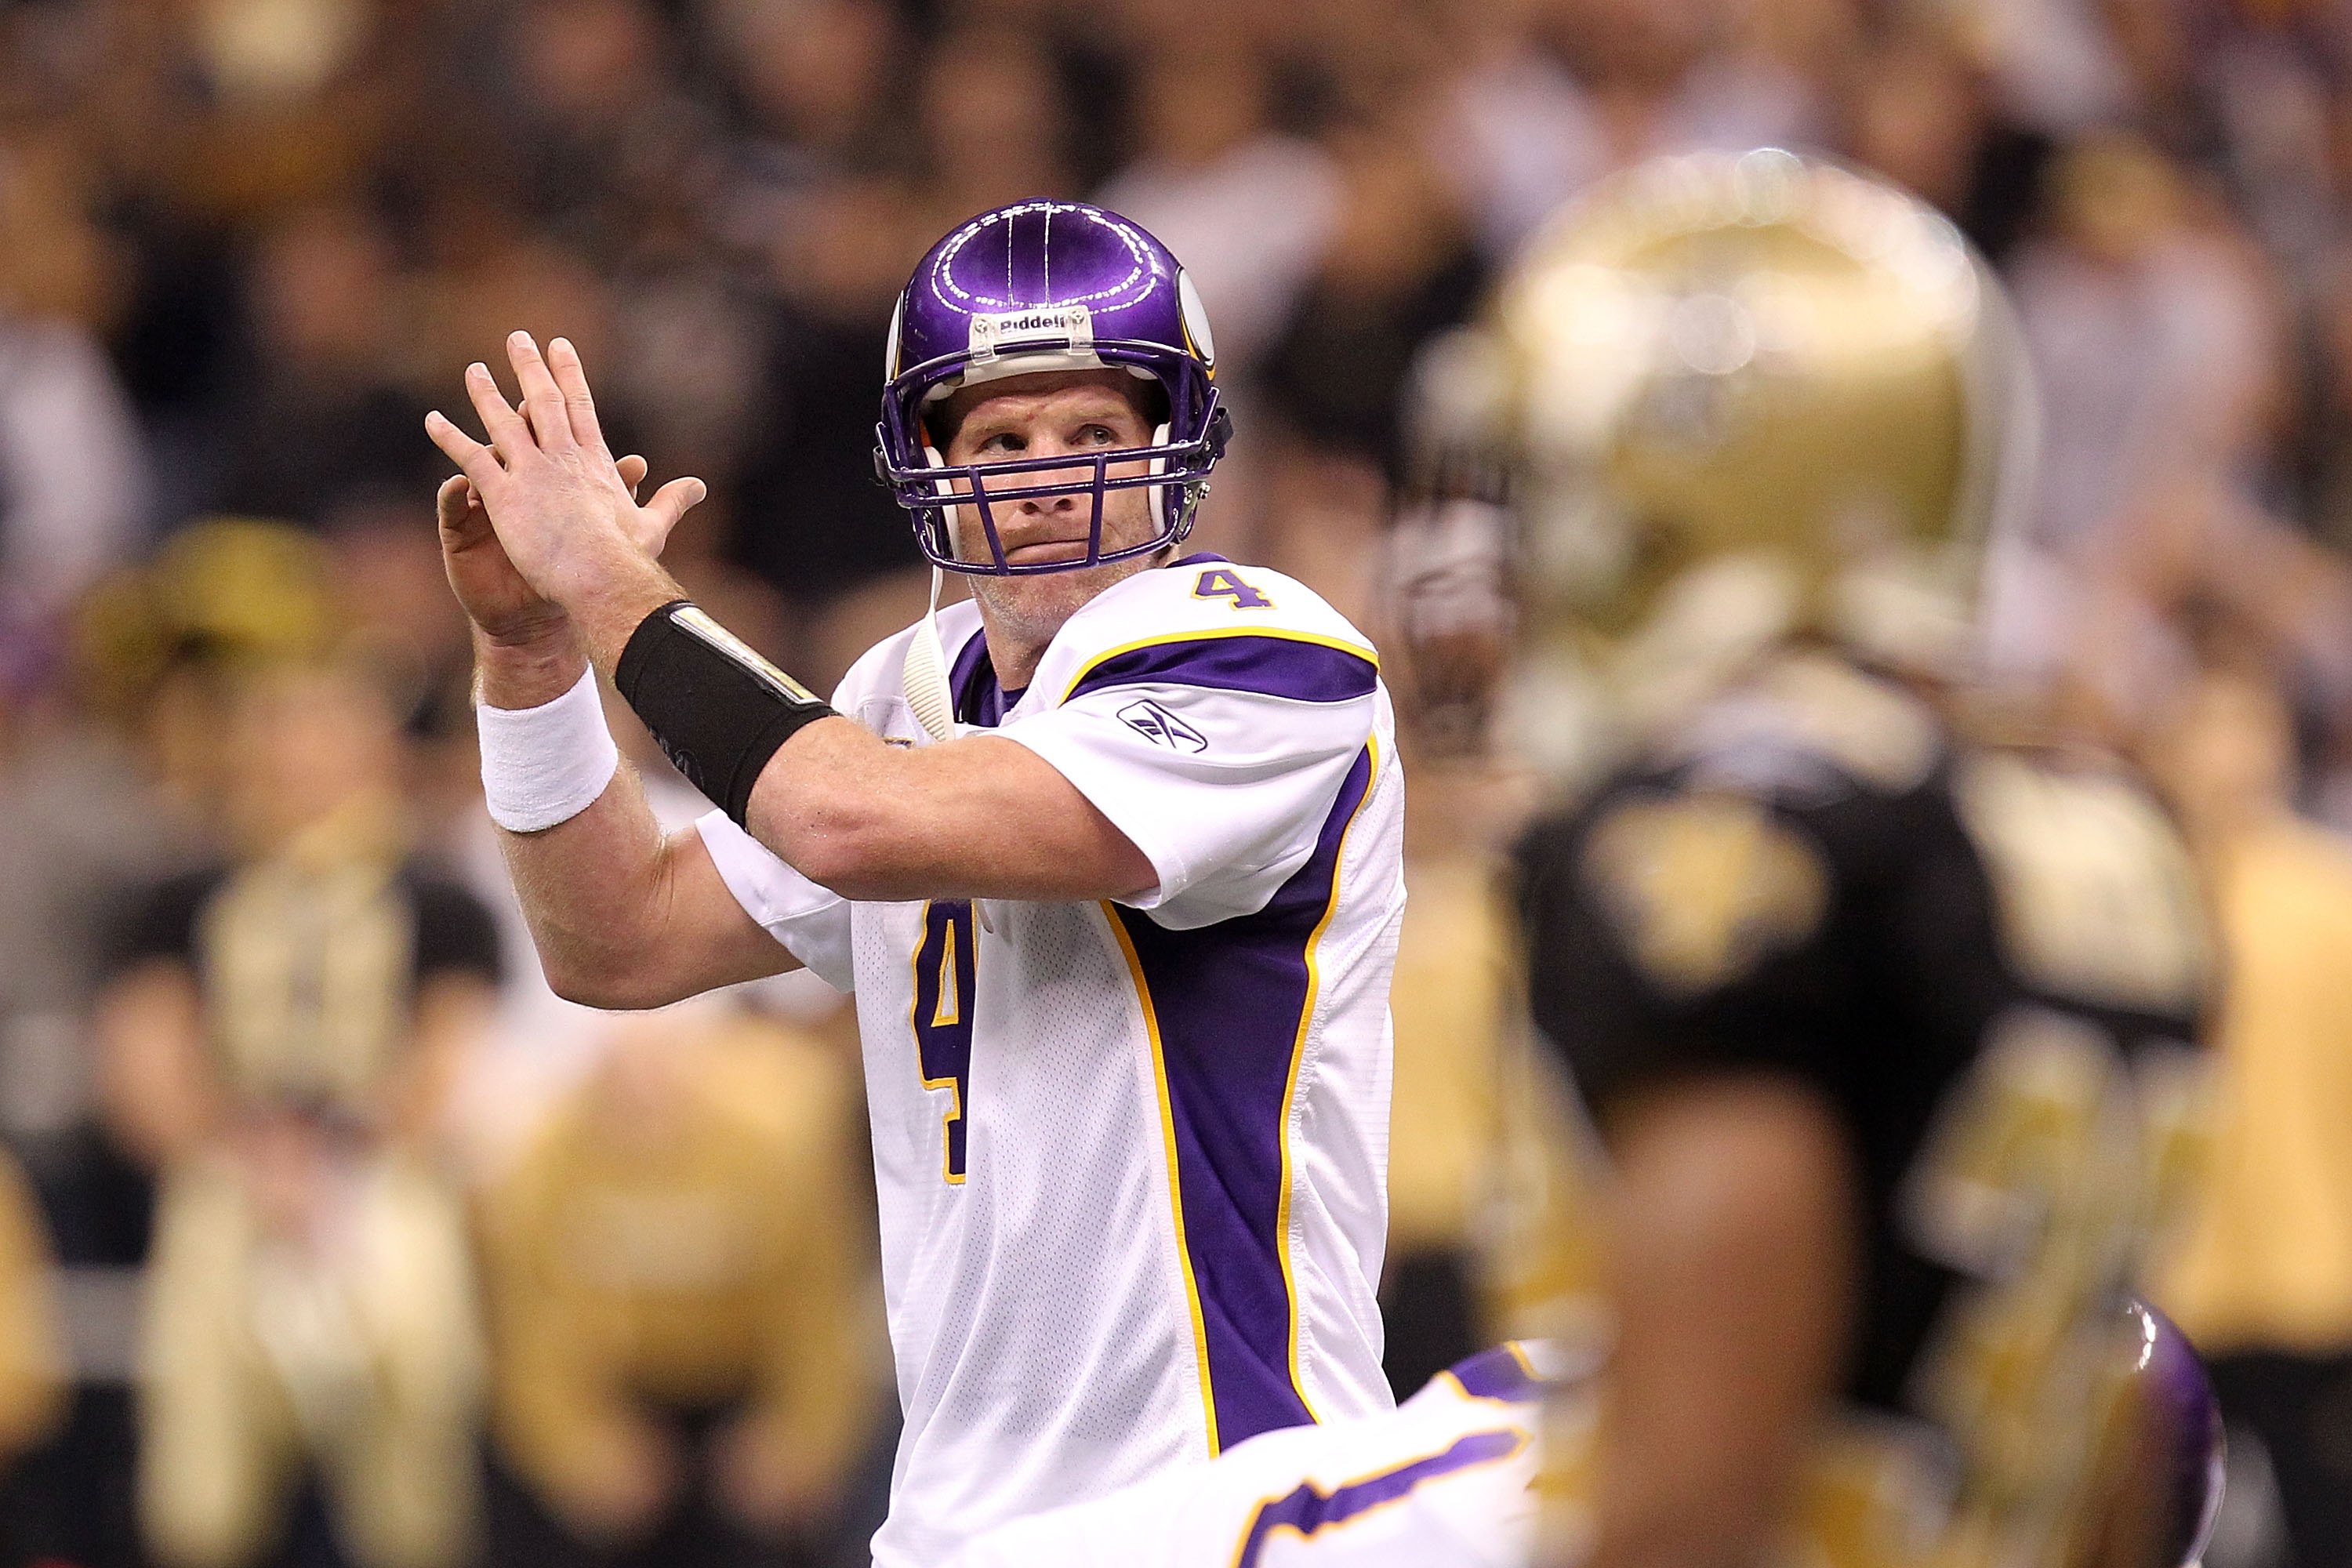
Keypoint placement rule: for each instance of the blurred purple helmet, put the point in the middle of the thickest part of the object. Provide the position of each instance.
(1046, 286)
(2180, 1439)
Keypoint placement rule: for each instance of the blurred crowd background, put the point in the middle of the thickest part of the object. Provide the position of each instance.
(331, 1235)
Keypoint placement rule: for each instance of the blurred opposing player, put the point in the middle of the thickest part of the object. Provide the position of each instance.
(1888, 1033)
(1111, 857)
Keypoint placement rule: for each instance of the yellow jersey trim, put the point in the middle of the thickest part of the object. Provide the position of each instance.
(1298, 1060)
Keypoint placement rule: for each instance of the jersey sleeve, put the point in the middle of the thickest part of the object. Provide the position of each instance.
(1675, 934)
(810, 921)
(1219, 756)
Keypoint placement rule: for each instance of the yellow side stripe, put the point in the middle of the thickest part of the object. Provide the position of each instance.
(1297, 1059)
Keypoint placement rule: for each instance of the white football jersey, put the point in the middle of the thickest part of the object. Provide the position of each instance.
(1131, 1158)
(1445, 1480)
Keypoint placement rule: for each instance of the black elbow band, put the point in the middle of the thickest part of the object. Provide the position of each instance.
(718, 710)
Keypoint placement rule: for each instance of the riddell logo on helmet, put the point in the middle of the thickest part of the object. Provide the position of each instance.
(1063, 325)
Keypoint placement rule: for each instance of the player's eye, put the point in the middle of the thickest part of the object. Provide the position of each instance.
(1004, 441)
(1099, 435)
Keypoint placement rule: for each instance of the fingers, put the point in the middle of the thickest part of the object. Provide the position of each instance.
(478, 463)
(542, 400)
(670, 503)
(631, 469)
(507, 433)
(452, 502)
(580, 407)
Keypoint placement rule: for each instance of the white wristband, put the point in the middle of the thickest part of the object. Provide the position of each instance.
(546, 764)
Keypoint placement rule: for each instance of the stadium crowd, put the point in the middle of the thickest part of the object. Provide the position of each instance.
(331, 1236)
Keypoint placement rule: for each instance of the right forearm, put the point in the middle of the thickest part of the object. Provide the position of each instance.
(590, 885)
(593, 890)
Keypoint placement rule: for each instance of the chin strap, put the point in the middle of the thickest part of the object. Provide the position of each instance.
(924, 675)
(924, 679)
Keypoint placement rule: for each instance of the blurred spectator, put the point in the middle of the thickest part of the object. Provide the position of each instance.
(73, 478)
(1396, 268)
(33, 1362)
(325, 419)
(1247, 208)
(994, 129)
(808, 517)
(274, 1043)
(1580, 88)
(2263, 1283)
(678, 1380)
(606, 137)
(2154, 336)
(816, 79)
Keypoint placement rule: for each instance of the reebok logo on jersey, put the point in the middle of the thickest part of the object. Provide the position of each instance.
(1154, 722)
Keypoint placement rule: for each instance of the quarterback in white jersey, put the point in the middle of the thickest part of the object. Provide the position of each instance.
(1445, 1480)
(1111, 857)
(1130, 1157)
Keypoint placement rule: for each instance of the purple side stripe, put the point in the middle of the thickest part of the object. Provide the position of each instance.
(1229, 998)
(1307, 1510)
(1495, 1373)
(1274, 667)
(972, 685)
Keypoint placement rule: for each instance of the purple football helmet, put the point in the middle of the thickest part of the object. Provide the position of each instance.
(1046, 286)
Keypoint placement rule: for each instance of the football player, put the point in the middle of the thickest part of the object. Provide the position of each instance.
(1110, 856)
(1888, 1029)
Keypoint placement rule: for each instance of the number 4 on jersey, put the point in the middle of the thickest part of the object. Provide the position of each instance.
(942, 1020)
(1220, 582)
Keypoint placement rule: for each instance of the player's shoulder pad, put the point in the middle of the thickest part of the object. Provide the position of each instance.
(2099, 896)
(1810, 730)
(1208, 621)
(874, 693)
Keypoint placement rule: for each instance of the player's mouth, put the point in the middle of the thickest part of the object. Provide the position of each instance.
(1045, 550)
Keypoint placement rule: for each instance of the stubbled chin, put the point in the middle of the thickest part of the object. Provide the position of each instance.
(1033, 609)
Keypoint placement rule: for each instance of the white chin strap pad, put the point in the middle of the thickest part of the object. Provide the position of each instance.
(1158, 466)
(931, 458)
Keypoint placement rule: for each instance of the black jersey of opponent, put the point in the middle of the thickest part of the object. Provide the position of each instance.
(1810, 880)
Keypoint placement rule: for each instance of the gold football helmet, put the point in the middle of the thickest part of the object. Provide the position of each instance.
(1729, 398)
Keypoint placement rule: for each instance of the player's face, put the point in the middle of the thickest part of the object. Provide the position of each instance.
(1079, 413)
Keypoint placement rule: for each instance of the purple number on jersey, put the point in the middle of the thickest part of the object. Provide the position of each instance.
(1218, 583)
(943, 983)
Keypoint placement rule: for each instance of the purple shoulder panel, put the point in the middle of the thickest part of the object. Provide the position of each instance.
(1269, 666)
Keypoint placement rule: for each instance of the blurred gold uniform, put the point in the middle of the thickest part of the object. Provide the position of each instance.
(1490, 1166)
(33, 1369)
(1754, 418)
(684, 1236)
(2268, 1261)
(2264, 1279)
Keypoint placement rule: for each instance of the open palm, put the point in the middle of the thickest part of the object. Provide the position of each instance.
(542, 508)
